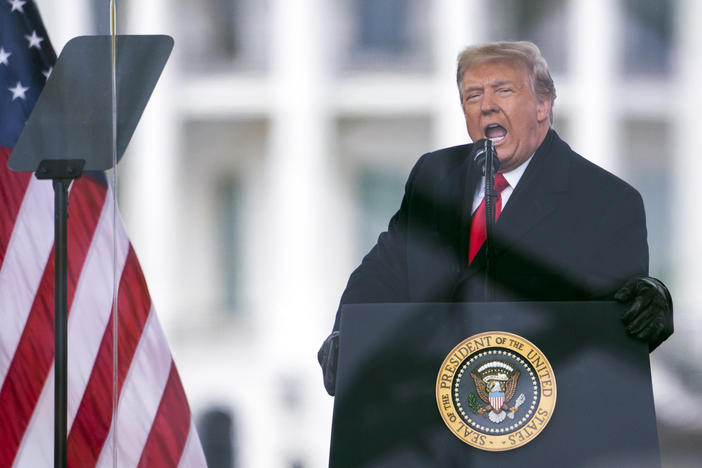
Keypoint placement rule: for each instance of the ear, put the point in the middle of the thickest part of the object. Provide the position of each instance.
(543, 109)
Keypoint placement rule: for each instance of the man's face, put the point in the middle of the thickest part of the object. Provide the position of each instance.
(499, 104)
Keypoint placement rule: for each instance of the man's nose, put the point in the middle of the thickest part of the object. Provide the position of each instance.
(488, 104)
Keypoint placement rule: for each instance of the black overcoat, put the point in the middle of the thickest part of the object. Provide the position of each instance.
(570, 231)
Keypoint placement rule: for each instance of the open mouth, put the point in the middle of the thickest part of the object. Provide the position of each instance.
(495, 133)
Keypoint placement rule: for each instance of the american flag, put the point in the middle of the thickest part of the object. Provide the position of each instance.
(154, 426)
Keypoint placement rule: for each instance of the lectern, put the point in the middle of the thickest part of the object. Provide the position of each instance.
(491, 384)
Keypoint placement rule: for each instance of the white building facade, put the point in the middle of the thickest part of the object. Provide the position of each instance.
(275, 148)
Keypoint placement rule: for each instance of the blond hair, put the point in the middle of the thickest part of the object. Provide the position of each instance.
(523, 52)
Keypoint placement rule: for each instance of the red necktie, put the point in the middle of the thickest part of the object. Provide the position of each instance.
(478, 231)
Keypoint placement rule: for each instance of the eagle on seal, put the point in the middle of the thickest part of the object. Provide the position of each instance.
(496, 384)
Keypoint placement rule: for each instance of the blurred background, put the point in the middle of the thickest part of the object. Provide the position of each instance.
(276, 145)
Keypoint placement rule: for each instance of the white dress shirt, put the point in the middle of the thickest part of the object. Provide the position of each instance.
(512, 178)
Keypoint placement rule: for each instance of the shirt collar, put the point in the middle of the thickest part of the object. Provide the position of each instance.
(515, 174)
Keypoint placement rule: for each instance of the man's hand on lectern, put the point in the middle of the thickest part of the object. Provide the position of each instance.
(649, 308)
(328, 355)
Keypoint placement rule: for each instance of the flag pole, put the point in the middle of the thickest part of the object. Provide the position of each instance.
(115, 276)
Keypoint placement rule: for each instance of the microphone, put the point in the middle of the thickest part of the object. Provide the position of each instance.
(481, 149)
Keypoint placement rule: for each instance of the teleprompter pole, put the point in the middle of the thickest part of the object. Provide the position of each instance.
(62, 172)
(60, 321)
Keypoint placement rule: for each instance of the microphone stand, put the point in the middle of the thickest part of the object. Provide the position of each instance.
(491, 165)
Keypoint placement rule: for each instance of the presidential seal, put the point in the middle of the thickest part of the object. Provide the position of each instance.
(496, 391)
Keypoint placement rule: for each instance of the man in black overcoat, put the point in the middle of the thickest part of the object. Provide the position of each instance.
(566, 229)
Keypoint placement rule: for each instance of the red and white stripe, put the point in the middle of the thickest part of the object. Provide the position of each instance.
(496, 402)
(154, 426)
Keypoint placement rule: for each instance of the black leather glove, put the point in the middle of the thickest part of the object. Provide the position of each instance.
(328, 355)
(649, 316)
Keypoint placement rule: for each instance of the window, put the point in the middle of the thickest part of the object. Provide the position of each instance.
(383, 26)
(217, 430)
(379, 193)
(648, 165)
(378, 154)
(100, 11)
(384, 34)
(648, 36)
(220, 157)
(222, 34)
(543, 22)
(228, 199)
